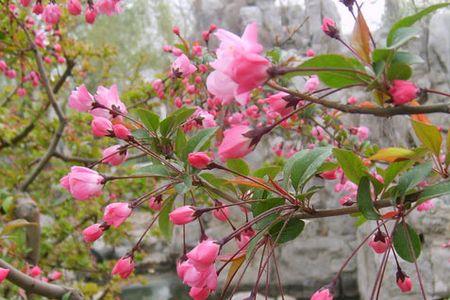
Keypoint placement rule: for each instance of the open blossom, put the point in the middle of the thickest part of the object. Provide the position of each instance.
(198, 278)
(426, 206)
(108, 97)
(114, 155)
(3, 274)
(182, 66)
(74, 7)
(116, 213)
(204, 254)
(124, 267)
(182, 215)
(323, 294)
(101, 127)
(362, 133)
(199, 160)
(80, 99)
(239, 67)
(403, 282)
(379, 242)
(403, 91)
(278, 104)
(51, 13)
(92, 233)
(108, 7)
(234, 143)
(83, 183)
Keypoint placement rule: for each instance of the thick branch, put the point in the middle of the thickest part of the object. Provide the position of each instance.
(376, 111)
(34, 286)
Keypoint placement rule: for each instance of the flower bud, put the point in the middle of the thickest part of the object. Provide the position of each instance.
(182, 215)
(199, 160)
(124, 267)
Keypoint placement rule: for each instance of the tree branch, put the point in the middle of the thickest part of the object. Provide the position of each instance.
(34, 286)
(376, 111)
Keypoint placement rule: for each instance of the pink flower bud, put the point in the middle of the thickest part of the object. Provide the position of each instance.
(25, 2)
(176, 30)
(221, 214)
(34, 271)
(322, 294)
(204, 254)
(101, 127)
(38, 8)
(90, 15)
(92, 233)
(199, 160)
(329, 28)
(116, 213)
(329, 175)
(80, 99)
(10, 73)
(182, 215)
(404, 282)
(155, 203)
(51, 14)
(124, 267)
(199, 293)
(114, 155)
(3, 274)
(312, 84)
(379, 242)
(121, 132)
(83, 183)
(426, 206)
(352, 100)
(74, 7)
(212, 27)
(182, 67)
(310, 53)
(21, 92)
(54, 275)
(234, 143)
(403, 91)
(3, 66)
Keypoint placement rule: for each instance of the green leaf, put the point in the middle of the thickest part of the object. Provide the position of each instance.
(410, 20)
(399, 70)
(407, 58)
(364, 199)
(429, 135)
(274, 55)
(165, 226)
(149, 118)
(152, 169)
(174, 120)
(351, 164)
(406, 242)
(434, 191)
(271, 171)
(304, 167)
(404, 35)
(411, 178)
(262, 206)
(288, 232)
(336, 79)
(199, 141)
(15, 224)
(394, 169)
(180, 143)
(239, 166)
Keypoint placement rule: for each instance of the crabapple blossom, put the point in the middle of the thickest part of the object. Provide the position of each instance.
(74, 7)
(379, 242)
(329, 28)
(102, 127)
(80, 99)
(92, 233)
(116, 213)
(403, 91)
(121, 131)
(114, 155)
(426, 205)
(182, 215)
(323, 294)
(51, 13)
(3, 274)
(204, 254)
(182, 66)
(83, 183)
(404, 282)
(124, 267)
(234, 143)
(222, 213)
(199, 160)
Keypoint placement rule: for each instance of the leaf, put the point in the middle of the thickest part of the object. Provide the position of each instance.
(270, 171)
(180, 143)
(175, 119)
(238, 165)
(284, 233)
(411, 178)
(402, 36)
(199, 141)
(149, 118)
(351, 164)
(234, 267)
(335, 79)
(307, 165)
(393, 154)
(398, 70)
(274, 55)
(406, 239)
(410, 20)
(394, 169)
(364, 199)
(434, 191)
(153, 169)
(361, 38)
(429, 135)
(165, 226)
(260, 207)
(15, 224)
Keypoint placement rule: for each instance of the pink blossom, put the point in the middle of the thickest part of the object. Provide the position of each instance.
(110, 99)
(318, 133)
(92, 233)
(101, 127)
(38, 8)
(221, 213)
(379, 242)
(361, 132)
(348, 200)
(182, 66)
(208, 119)
(54, 275)
(116, 213)
(193, 277)
(124, 267)
(403, 91)
(114, 155)
(312, 84)
(40, 39)
(11, 74)
(90, 14)
(121, 131)
(34, 271)
(404, 282)
(199, 293)
(83, 183)
(199, 160)
(108, 7)
(3, 66)
(329, 27)
(74, 7)
(244, 238)
(3, 274)
(278, 104)
(80, 99)
(25, 2)
(310, 53)
(323, 294)
(329, 175)
(234, 143)
(21, 92)
(155, 203)
(352, 100)
(51, 13)
(182, 215)
(204, 254)
(426, 206)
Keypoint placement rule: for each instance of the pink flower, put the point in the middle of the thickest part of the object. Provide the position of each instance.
(348, 200)
(234, 143)
(204, 254)
(404, 282)
(21, 92)
(362, 133)
(38, 8)
(54, 275)
(155, 203)
(312, 84)
(323, 294)
(403, 91)
(199, 293)
(116, 213)
(278, 104)
(90, 14)
(426, 206)
(182, 66)
(83, 183)
(121, 131)
(239, 67)
(379, 242)
(124, 267)
(101, 127)
(114, 155)
(92, 233)
(329, 27)
(74, 7)
(329, 175)
(51, 13)
(310, 53)
(108, 7)
(34, 271)
(110, 99)
(352, 100)
(222, 213)
(80, 99)
(199, 160)
(244, 238)
(11, 74)
(318, 132)
(182, 215)
(3, 274)
(3, 66)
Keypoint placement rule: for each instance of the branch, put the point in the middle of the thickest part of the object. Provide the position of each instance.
(376, 111)
(87, 161)
(34, 286)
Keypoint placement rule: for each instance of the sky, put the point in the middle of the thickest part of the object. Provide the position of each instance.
(372, 10)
